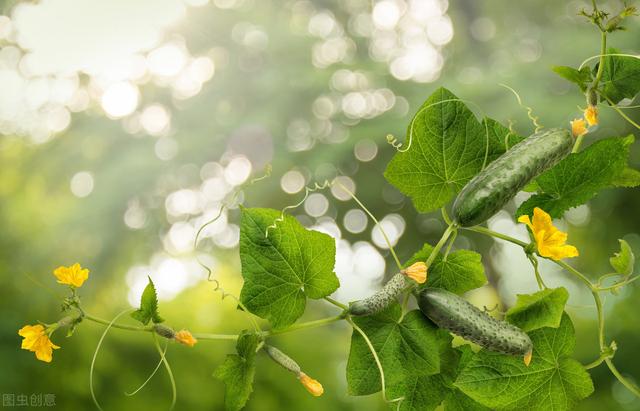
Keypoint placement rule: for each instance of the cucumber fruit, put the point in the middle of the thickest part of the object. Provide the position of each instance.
(501, 180)
(453, 313)
(380, 300)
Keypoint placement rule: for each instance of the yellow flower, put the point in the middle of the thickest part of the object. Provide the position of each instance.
(417, 272)
(591, 115)
(578, 127)
(36, 340)
(73, 275)
(527, 357)
(313, 386)
(185, 337)
(550, 240)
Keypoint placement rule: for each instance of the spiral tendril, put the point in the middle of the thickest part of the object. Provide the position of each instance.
(307, 190)
(217, 286)
(534, 119)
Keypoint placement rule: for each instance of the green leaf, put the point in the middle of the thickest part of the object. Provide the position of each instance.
(284, 268)
(624, 261)
(460, 272)
(580, 77)
(541, 309)
(456, 400)
(579, 177)
(423, 393)
(629, 177)
(553, 380)
(148, 310)
(237, 372)
(406, 347)
(620, 77)
(448, 147)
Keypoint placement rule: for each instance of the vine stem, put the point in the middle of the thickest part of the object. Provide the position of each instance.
(233, 337)
(596, 296)
(445, 236)
(594, 85)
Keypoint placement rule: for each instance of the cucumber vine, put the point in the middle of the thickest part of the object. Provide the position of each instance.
(408, 354)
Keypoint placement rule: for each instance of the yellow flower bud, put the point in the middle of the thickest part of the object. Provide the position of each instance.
(185, 337)
(417, 272)
(591, 115)
(527, 358)
(313, 386)
(578, 127)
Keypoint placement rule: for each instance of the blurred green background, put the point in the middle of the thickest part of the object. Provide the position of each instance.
(124, 125)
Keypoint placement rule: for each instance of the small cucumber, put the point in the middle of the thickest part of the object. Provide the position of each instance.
(453, 313)
(380, 300)
(501, 180)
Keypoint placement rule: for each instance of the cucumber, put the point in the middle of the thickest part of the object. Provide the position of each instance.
(380, 300)
(453, 313)
(501, 180)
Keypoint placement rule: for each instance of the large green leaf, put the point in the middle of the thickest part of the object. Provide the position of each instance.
(406, 347)
(148, 310)
(541, 309)
(448, 147)
(620, 77)
(285, 267)
(553, 380)
(237, 372)
(579, 177)
(460, 272)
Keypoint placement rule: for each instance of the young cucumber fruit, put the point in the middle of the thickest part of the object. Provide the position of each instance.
(453, 313)
(380, 300)
(501, 180)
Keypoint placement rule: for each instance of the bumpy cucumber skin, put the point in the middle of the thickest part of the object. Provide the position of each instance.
(501, 180)
(380, 300)
(453, 313)
(283, 359)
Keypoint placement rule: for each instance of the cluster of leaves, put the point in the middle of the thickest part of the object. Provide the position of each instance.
(284, 263)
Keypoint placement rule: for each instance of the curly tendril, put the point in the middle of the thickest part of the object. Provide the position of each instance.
(307, 190)
(534, 119)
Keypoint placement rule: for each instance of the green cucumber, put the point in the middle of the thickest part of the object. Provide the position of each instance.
(380, 300)
(455, 314)
(282, 359)
(501, 180)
